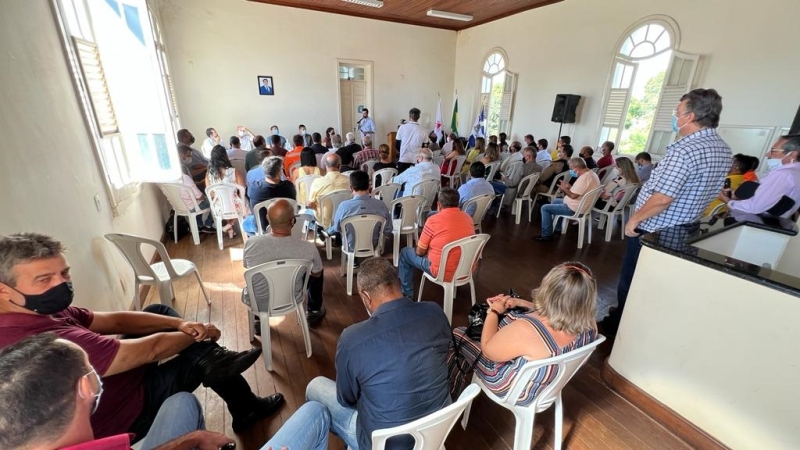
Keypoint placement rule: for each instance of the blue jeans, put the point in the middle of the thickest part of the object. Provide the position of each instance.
(307, 429)
(409, 260)
(556, 208)
(209, 219)
(342, 418)
(180, 414)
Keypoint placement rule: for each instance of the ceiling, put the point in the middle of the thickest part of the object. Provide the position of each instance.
(414, 11)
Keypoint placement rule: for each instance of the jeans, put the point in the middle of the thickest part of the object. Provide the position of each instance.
(182, 374)
(209, 219)
(342, 418)
(307, 429)
(634, 246)
(556, 208)
(180, 414)
(409, 260)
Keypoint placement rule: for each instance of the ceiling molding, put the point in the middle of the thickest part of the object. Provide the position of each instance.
(409, 10)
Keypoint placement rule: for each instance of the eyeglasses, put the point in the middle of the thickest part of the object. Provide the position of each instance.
(773, 150)
(677, 113)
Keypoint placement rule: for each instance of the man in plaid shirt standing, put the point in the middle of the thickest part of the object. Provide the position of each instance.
(683, 184)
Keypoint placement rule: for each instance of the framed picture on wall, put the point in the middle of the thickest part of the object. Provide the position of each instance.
(265, 86)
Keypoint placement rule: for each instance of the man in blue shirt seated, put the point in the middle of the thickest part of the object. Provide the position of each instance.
(392, 368)
(361, 203)
(477, 185)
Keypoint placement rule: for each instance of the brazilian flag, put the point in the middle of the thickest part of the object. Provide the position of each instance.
(454, 120)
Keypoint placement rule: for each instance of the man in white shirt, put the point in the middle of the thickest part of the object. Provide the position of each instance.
(366, 125)
(543, 157)
(245, 138)
(410, 137)
(212, 140)
(424, 169)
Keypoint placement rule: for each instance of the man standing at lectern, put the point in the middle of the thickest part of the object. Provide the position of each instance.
(366, 125)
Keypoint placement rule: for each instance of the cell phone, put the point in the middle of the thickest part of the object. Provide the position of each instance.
(229, 446)
(727, 184)
(512, 293)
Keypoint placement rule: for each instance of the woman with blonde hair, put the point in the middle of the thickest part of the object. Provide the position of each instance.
(491, 155)
(612, 192)
(561, 318)
(385, 163)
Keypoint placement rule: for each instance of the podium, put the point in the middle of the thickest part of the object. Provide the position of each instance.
(392, 137)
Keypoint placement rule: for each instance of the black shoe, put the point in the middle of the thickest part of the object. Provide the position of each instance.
(263, 407)
(220, 363)
(313, 317)
(208, 230)
(543, 238)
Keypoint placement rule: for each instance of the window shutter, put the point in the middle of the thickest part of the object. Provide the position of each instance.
(615, 107)
(618, 97)
(677, 81)
(95, 81)
(507, 102)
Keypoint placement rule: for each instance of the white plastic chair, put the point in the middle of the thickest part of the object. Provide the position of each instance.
(367, 166)
(363, 226)
(427, 189)
(410, 206)
(299, 229)
(431, 431)
(455, 179)
(294, 167)
(583, 219)
(386, 193)
(609, 213)
(471, 248)
(159, 274)
(265, 204)
(281, 278)
(331, 201)
(524, 190)
(303, 187)
(482, 204)
(223, 194)
(552, 191)
(605, 174)
(491, 170)
(567, 365)
(386, 177)
(173, 193)
(438, 160)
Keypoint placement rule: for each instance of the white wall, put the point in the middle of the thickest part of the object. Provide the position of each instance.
(218, 47)
(566, 48)
(48, 170)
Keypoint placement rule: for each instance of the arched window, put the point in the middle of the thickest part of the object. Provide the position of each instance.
(647, 79)
(497, 94)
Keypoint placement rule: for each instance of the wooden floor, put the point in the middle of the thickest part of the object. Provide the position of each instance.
(595, 417)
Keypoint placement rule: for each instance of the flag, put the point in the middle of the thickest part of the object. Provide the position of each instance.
(437, 128)
(477, 129)
(454, 120)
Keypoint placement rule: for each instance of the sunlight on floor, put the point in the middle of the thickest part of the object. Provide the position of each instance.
(237, 254)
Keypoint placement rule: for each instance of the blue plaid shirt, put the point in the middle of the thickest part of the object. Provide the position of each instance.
(692, 174)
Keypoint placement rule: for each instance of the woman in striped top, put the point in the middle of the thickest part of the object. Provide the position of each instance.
(559, 319)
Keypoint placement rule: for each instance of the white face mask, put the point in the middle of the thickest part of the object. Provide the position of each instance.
(241, 133)
(773, 164)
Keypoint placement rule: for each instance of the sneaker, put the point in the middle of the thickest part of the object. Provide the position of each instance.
(313, 317)
(208, 230)
(220, 363)
(543, 238)
(263, 408)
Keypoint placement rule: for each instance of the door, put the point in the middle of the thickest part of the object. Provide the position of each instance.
(677, 81)
(353, 92)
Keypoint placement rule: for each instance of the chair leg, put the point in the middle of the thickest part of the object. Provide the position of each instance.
(421, 285)
(472, 290)
(251, 325)
(467, 410)
(581, 230)
(165, 293)
(266, 341)
(500, 206)
(396, 249)
(523, 431)
(195, 230)
(202, 287)
(609, 228)
(219, 233)
(588, 225)
(328, 249)
(304, 326)
(137, 296)
(449, 292)
(559, 428)
(175, 228)
(351, 262)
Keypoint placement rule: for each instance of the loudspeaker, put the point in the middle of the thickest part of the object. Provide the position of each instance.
(564, 108)
(795, 129)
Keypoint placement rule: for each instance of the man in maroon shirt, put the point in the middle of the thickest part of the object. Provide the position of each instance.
(608, 158)
(35, 297)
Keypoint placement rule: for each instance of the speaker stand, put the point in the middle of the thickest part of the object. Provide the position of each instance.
(560, 125)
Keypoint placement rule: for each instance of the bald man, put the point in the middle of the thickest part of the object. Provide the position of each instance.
(332, 181)
(280, 245)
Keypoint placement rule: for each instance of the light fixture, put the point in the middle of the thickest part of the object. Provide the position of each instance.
(449, 15)
(372, 3)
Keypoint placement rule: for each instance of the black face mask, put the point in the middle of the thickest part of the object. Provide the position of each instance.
(191, 141)
(52, 301)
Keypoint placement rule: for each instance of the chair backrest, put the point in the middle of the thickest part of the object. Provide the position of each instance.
(299, 228)
(222, 195)
(427, 189)
(566, 366)
(471, 248)
(410, 207)
(363, 226)
(281, 279)
(526, 185)
(482, 204)
(265, 204)
(456, 171)
(367, 166)
(131, 248)
(292, 168)
(438, 160)
(431, 431)
(556, 180)
(386, 176)
(491, 170)
(332, 200)
(303, 187)
(587, 202)
(387, 193)
(627, 192)
(173, 193)
(606, 173)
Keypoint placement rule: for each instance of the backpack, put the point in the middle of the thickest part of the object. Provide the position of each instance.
(183, 226)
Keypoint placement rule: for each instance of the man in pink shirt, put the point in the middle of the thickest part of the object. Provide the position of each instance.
(567, 206)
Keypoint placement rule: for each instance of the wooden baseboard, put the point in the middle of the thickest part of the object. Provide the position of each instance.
(669, 419)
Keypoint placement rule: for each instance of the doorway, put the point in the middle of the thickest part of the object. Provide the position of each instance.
(355, 94)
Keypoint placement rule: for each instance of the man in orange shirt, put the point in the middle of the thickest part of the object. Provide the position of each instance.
(448, 225)
(293, 156)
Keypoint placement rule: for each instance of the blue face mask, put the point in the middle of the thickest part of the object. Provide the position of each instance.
(573, 173)
(675, 126)
(275, 131)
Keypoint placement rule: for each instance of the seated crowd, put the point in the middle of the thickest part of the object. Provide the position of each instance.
(133, 372)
